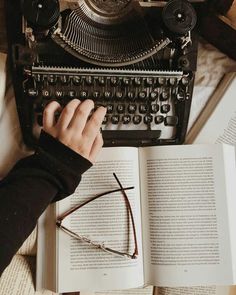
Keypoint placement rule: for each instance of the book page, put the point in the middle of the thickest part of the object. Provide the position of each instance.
(202, 290)
(46, 250)
(18, 277)
(82, 266)
(138, 291)
(184, 205)
(221, 125)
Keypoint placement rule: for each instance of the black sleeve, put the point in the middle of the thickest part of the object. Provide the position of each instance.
(50, 174)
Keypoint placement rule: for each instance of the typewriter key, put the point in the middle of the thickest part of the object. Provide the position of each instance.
(147, 119)
(171, 121)
(159, 119)
(132, 108)
(165, 108)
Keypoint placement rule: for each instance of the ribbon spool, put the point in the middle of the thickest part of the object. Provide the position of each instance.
(41, 14)
(179, 16)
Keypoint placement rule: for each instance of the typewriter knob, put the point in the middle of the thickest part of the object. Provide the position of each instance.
(179, 16)
(41, 14)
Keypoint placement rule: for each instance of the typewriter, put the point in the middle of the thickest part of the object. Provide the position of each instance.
(137, 58)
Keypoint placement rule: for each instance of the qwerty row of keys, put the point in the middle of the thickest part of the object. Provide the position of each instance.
(162, 94)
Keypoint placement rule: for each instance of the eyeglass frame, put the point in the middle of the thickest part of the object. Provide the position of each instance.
(102, 246)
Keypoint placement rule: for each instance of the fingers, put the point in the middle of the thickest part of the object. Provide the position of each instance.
(49, 115)
(92, 127)
(67, 114)
(73, 127)
(80, 117)
(96, 147)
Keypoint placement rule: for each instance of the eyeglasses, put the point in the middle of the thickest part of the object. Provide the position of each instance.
(95, 244)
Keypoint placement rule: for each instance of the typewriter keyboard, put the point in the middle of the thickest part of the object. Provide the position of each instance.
(144, 103)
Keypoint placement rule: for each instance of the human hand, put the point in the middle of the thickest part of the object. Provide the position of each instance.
(74, 129)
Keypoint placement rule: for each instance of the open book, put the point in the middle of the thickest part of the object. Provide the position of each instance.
(184, 211)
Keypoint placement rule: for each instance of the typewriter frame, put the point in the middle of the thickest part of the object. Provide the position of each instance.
(21, 59)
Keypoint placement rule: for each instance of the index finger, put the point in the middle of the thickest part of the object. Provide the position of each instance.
(49, 115)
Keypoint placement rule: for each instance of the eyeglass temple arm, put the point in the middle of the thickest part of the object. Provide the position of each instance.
(131, 215)
(59, 219)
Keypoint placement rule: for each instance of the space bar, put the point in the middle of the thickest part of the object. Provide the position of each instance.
(131, 134)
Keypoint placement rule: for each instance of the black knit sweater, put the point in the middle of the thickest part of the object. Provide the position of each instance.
(52, 173)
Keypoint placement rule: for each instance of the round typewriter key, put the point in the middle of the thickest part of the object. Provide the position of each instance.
(161, 81)
(52, 79)
(126, 81)
(83, 94)
(147, 119)
(165, 94)
(110, 108)
(65, 79)
(71, 94)
(137, 81)
(32, 92)
(154, 108)
(132, 108)
(137, 119)
(89, 80)
(76, 80)
(185, 81)
(118, 94)
(96, 94)
(101, 81)
(142, 94)
(153, 95)
(114, 81)
(115, 119)
(181, 95)
(130, 95)
(149, 81)
(165, 108)
(120, 108)
(126, 119)
(46, 93)
(108, 94)
(38, 78)
(172, 81)
(105, 120)
(159, 119)
(143, 108)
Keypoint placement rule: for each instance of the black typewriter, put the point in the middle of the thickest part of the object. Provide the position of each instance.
(136, 57)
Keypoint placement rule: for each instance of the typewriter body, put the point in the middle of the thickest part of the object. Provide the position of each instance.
(137, 58)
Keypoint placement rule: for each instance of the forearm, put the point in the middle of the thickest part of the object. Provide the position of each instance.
(52, 173)
(22, 202)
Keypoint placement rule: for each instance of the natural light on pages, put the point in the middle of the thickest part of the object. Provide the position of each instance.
(80, 224)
